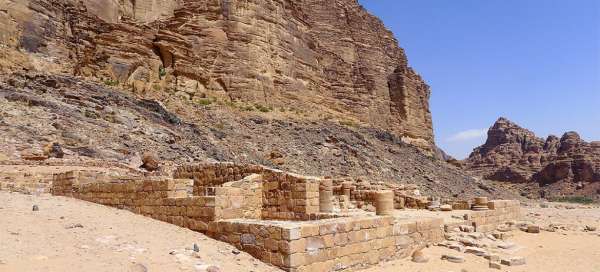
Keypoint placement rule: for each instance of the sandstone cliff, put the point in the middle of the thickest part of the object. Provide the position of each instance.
(327, 59)
(514, 154)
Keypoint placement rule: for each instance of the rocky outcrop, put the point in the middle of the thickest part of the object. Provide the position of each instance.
(514, 154)
(92, 122)
(330, 59)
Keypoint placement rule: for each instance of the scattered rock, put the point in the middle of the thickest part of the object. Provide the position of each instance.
(419, 257)
(446, 208)
(590, 228)
(74, 226)
(453, 258)
(533, 229)
(235, 251)
(150, 162)
(476, 235)
(53, 150)
(434, 205)
(504, 228)
(138, 268)
(502, 235)
(476, 251)
(465, 228)
(35, 208)
(467, 241)
(196, 248)
(495, 265)
(213, 268)
(513, 261)
(493, 258)
(506, 245)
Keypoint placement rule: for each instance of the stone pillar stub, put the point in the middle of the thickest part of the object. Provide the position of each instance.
(326, 196)
(384, 202)
(347, 189)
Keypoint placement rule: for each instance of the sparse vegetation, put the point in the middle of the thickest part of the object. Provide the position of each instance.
(220, 125)
(348, 123)
(262, 108)
(111, 82)
(204, 101)
(162, 72)
(574, 199)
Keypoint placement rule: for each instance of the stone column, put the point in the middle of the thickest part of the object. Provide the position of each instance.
(384, 202)
(326, 196)
(481, 204)
(347, 189)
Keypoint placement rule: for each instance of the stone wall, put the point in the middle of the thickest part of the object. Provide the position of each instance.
(275, 216)
(289, 197)
(245, 197)
(210, 175)
(25, 182)
(362, 193)
(500, 211)
(273, 195)
(285, 196)
(328, 245)
(164, 199)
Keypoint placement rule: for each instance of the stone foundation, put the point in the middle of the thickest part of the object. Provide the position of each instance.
(277, 216)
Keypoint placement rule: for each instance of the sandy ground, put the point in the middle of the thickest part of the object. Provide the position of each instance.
(115, 240)
(568, 248)
(109, 240)
(544, 252)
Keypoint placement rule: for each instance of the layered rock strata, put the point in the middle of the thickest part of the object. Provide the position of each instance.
(514, 154)
(327, 57)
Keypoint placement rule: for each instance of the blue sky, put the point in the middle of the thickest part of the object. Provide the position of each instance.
(536, 62)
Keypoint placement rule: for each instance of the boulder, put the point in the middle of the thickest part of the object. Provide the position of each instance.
(150, 162)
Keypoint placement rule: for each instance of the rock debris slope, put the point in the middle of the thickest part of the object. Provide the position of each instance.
(92, 121)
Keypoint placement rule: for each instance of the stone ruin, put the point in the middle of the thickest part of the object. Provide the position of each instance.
(294, 222)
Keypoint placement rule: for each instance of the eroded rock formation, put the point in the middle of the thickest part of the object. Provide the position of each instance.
(514, 154)
(326, 57)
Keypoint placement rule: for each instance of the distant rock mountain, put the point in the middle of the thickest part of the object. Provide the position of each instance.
(566, 165)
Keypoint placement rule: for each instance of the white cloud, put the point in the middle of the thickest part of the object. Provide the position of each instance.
(467, 135)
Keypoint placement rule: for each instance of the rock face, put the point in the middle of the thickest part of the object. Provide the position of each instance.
(94, 122)
(514, 154)
(328, 58)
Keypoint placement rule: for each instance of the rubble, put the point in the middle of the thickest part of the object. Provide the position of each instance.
(453, 258)
(513, 261)
(419, 257)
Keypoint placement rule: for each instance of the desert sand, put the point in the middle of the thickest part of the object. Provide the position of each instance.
(72, 235)
(564, 245)
(106, 239)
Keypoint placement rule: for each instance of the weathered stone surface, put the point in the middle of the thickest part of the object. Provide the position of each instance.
(514, 154)
(453, 258)
(330, 58)
(150, 162)
(513, 261)
(419, 257)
